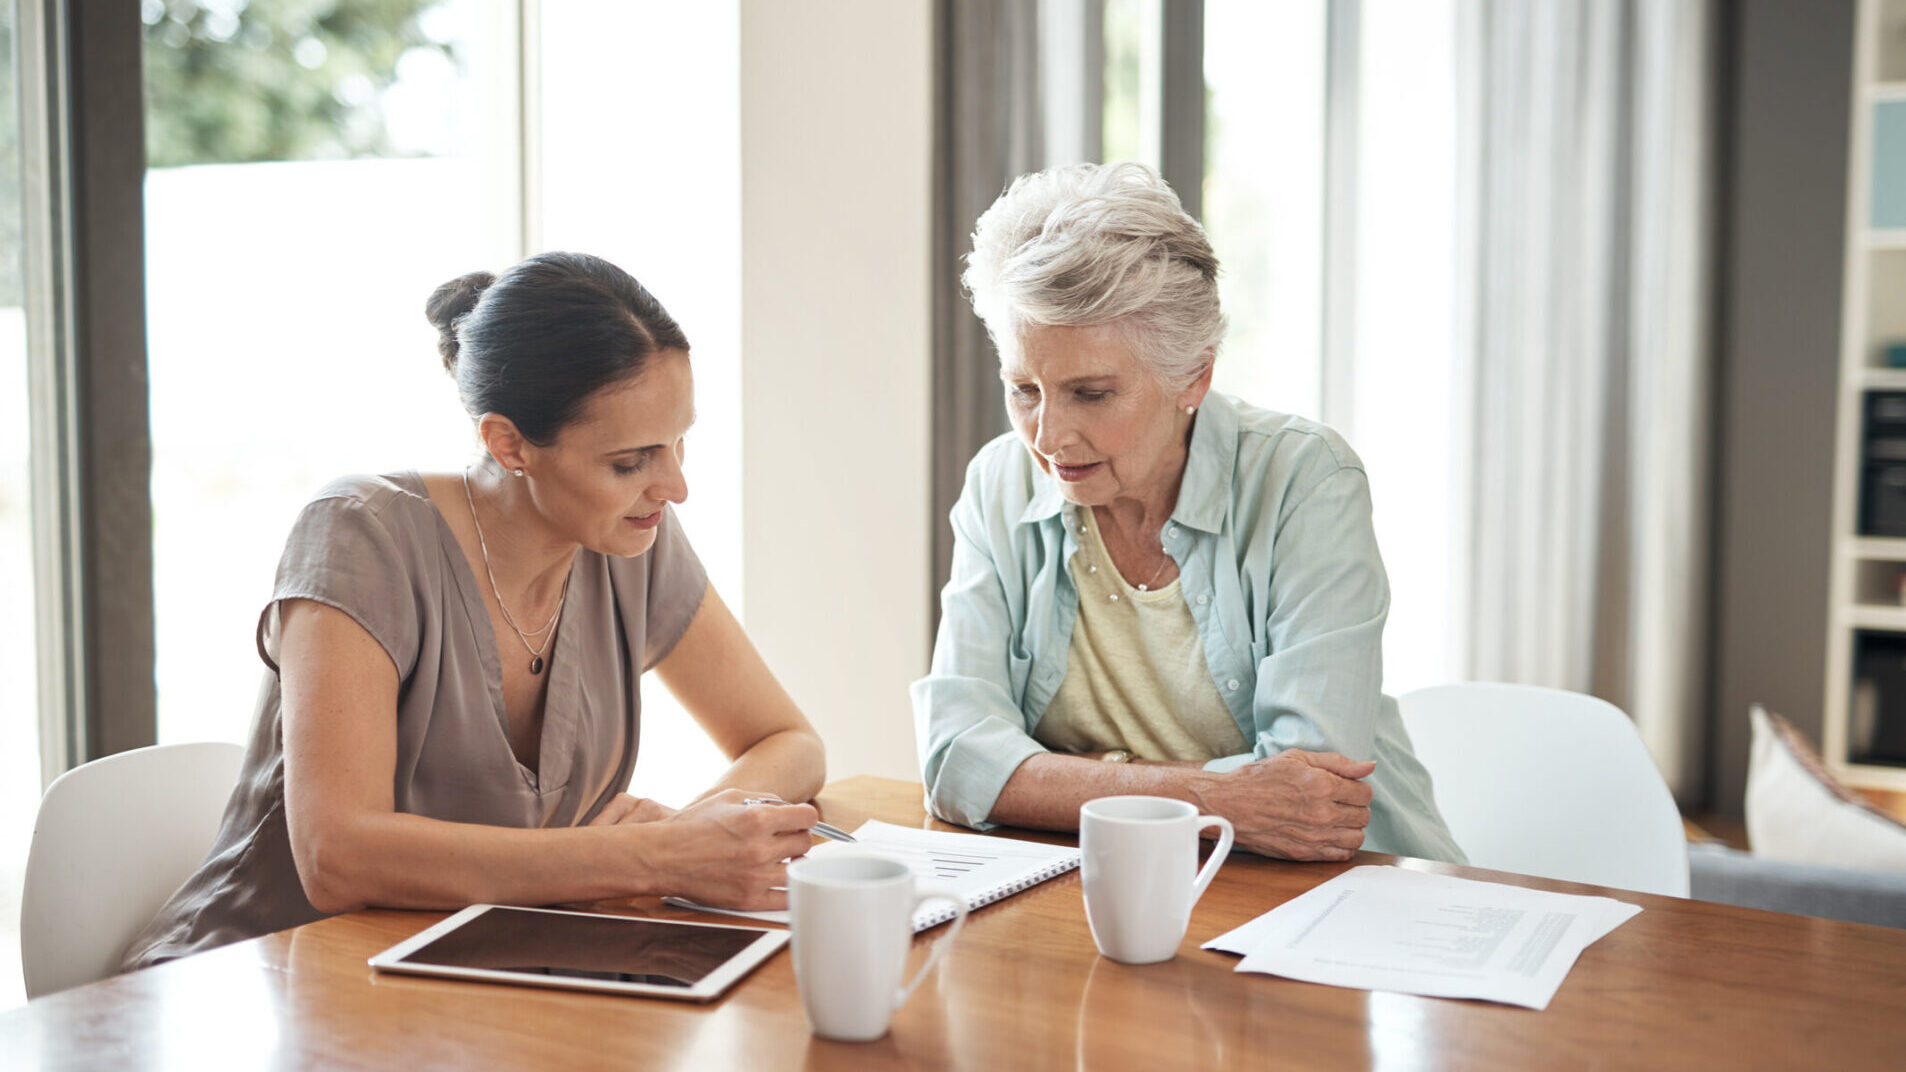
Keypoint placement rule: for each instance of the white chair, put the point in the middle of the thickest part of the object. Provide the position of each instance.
(114, 839)
(1551, 783)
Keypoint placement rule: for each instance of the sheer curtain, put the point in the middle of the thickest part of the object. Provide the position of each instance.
(1019, 87)
(1582, 221)
(990, 128)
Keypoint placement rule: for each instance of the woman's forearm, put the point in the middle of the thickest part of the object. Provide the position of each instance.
(790, 764)
(1046, 790)
(396, 860)
(1297, 805)
(718, 851)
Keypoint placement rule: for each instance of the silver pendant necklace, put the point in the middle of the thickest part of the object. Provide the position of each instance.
(535, 654)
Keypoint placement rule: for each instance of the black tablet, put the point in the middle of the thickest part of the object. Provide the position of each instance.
(585, 951)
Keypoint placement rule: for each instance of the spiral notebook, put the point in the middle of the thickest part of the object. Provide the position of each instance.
(979, 868)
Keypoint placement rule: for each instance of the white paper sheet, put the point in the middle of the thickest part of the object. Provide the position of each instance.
(1388, 928)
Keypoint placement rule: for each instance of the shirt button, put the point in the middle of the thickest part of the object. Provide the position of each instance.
(1232, 684)
(1203, 599)
(1172, 532)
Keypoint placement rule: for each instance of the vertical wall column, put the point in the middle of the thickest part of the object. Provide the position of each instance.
(1777, 339)
(836, 333)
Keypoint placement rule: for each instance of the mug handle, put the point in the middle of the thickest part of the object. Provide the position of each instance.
(933, 893)
(1210, 870)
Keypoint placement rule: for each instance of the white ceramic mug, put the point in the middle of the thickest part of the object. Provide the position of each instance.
(852, 916)
(1140, 872)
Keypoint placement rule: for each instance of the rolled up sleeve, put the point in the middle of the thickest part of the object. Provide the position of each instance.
(1321, 685)
(968, 725)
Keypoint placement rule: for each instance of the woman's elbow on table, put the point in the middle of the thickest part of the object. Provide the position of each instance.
(810, 764)
(328, 870)
(950, 794)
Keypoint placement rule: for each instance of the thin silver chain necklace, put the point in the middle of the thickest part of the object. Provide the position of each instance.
(535, 654)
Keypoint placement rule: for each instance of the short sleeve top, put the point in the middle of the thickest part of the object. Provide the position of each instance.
(377, 549)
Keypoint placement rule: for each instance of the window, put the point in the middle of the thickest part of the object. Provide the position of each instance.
(313, 180)
(658, 192)
(313, 177)
(19, 719)
(1402, 398)
(1267, 190)
(1264, 196)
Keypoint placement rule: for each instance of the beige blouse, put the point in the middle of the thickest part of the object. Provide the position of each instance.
(377, 549)
(1135, 670)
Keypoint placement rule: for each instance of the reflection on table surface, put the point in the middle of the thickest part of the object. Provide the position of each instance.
(1684, 984)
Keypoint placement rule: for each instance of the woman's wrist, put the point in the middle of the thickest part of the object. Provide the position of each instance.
(1201, 787)
(642, 852)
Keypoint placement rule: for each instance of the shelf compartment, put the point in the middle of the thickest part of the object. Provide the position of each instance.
(1877, 585)
(1886, 210)
(1876, 710)
(1886, 295)
(1889, 67)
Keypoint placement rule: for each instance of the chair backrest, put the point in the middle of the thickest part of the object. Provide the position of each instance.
(1547, 782)
(114, 839)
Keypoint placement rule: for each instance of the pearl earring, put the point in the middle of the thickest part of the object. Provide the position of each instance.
(1190, 410)
(517, 472)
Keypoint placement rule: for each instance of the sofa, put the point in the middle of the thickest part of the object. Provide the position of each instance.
(1857, 895)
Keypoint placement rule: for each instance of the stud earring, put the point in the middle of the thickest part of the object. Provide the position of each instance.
(1190, 410)
(517, 472)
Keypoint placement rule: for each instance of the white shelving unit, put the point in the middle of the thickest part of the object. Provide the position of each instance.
(1868, 582)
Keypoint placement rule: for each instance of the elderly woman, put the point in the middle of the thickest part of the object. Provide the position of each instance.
(1155, 589)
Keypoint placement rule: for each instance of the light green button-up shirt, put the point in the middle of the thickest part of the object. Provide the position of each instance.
(1278, 564)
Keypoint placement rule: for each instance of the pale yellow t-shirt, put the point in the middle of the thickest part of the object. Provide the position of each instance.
(1136, 676)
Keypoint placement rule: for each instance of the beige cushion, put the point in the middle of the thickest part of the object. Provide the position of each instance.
(1796, 811)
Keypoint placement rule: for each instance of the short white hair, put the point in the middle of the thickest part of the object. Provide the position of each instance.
(1090, 244)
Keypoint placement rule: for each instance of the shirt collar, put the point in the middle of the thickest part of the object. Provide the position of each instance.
(1047, 500)
(1203, 496)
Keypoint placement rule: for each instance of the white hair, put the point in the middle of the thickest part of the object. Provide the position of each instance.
(1091, 244)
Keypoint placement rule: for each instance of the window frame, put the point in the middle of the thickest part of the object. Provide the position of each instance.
(83, 172)
(83, 162)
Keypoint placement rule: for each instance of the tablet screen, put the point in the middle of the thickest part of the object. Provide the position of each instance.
(583, 946)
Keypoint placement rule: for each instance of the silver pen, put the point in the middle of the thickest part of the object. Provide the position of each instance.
(825, 830)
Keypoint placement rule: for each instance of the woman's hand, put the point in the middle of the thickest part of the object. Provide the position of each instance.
(729, 854)
(624, 808)
(1298, 805)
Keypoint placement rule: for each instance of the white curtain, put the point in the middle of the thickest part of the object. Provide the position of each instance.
(1018, 89)
(1583, 137)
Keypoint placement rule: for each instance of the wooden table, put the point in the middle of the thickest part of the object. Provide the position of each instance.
(1685, 984)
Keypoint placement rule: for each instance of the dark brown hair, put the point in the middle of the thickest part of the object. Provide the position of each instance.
(535, 343)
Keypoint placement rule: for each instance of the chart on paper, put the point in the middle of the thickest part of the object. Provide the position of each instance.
(968, 862)
(978, 868)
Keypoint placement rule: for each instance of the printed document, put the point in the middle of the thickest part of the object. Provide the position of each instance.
(1388, 928)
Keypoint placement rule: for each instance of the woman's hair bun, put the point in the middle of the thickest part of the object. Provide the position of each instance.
(449, 304)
